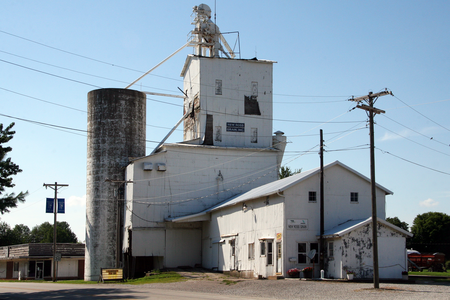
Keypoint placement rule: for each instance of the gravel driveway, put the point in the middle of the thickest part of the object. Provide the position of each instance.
(201, 281)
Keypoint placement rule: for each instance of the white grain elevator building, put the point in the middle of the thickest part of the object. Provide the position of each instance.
(228, 148)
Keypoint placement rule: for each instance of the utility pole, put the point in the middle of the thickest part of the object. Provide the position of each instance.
(322, 209)
(55, 187)
(370, 99)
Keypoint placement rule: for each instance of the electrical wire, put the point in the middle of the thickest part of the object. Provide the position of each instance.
(142, 72)
(411, 162)
(44, 124)
(50, 74)
(78, 72)
(49, 102)
(421, 113)
(413, 141)
(428, 137)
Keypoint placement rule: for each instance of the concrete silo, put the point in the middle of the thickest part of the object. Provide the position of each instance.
(116, 132)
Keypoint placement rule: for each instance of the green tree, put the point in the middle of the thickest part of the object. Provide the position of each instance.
(20, 234)
(286, 171)
(396, 221)
(7, 170)
(431, 232)
(44, 233)
(5, 234)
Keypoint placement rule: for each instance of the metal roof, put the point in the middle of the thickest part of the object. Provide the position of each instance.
(274, 187)
(351, 225)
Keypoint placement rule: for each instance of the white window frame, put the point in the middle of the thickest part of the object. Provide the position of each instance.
(251, 251)
(354, 197)
(233, 247)
(330, 249)
(304, 253)
(312, 193)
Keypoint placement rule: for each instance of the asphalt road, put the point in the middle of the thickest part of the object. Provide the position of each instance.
(47, 291)
(217, 289)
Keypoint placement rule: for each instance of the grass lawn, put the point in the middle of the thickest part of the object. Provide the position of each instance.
(426, 273)
(162, 277)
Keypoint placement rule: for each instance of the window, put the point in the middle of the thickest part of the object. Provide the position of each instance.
(301, 253)
(233, 248)
(353, 197)
(330, 249)
(16, 266)
(263, 248)
(312, 196)
(218, 134)
(47, 268)
(218, 87)
(31, 268)
(254, 88)
(269, 252)
(254, 136)
(251, 251)
(315, 246)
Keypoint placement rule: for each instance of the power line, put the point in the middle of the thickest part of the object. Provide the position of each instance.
(44, 124)
(411, 162)
(50, 74)
(142, 72)
(421, 113)
(68, 52)
(49, 102)
(79, 72)
(414, 141)
(428, 137)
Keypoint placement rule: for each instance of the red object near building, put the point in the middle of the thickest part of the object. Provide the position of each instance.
(433, 262)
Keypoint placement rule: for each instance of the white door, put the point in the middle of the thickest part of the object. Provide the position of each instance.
(221, 258)
(269, 258)
(279, 271)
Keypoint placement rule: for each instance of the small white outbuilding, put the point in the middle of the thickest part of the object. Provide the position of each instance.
(272, 228)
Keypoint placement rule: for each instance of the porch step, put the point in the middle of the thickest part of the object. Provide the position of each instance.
(276, 277)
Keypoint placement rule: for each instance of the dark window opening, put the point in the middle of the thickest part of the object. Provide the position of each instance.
(312, 197)
(47, 268)
(301, 253)
(251, 105)
(269, 252)
(31, 268)
(209, 131)
(315, 246)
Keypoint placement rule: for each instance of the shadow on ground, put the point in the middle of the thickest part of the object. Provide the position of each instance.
(83, 293)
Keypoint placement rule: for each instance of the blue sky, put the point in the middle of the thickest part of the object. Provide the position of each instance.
(52, 53)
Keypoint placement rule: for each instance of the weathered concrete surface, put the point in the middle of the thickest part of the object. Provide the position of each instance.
(116, 131)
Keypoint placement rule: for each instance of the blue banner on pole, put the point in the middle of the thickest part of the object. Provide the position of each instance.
(61, 206)
(49, 205)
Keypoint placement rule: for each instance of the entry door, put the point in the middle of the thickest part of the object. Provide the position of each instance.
(9, 270)
(40, 270)
(221, 258)
(269, 258)
(279, 258)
